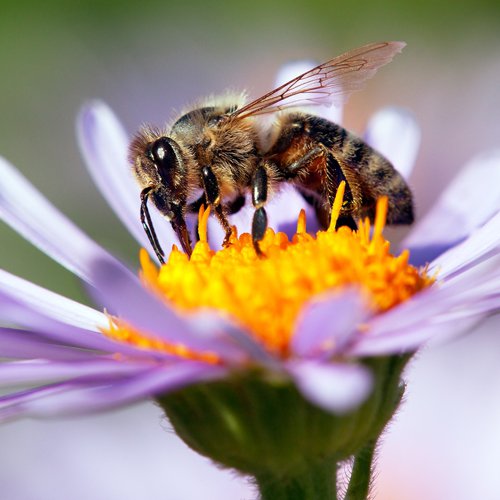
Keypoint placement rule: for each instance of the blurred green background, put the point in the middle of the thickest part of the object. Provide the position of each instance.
(147, 58)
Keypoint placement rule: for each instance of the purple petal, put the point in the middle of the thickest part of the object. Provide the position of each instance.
(32, 216)
(409, 339)
(55, 316)
(73, 398)
(39, 371)
(335, 387)
(482, 244)
(20, 344)
(469, 201)
(284, 211)
(327, 324)
(449, 308)
(11, 405)
(474, 291)
(123, 295)
(205, 322)
(51, 304)
(428, 304)
(104, 145)
(395, 133)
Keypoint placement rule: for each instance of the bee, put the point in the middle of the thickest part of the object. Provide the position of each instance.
(214, 155)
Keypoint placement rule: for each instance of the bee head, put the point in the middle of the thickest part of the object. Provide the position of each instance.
(158, 164)
(160, 169)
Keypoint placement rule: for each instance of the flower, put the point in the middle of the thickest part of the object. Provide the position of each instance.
(57, 329)
(339, 347)
(73, 327)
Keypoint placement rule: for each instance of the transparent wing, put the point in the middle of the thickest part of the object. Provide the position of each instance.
(330, 82)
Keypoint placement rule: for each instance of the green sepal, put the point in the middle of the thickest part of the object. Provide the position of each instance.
(258, 423)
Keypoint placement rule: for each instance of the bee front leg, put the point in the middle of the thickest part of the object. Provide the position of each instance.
(147, 224)
(212, 194)
(334, 176)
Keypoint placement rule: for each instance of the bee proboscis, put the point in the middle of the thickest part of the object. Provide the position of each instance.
(214, 154)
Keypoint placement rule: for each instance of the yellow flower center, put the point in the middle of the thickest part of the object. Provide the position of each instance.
(266, 294)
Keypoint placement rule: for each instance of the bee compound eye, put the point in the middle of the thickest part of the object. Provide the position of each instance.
(162, 151)
(163, 156)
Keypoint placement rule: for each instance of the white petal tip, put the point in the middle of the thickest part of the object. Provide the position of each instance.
(394, 132)
(337, 388)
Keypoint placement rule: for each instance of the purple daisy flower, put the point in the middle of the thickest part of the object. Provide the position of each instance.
(60, 348)
(60, 362)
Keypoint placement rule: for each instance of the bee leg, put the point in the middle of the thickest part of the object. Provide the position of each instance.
(348, 221)
(293, 169)
(334, 176)
(231, 208)
(259, 198)
(147, 224)
(179, 226)
(212, 193)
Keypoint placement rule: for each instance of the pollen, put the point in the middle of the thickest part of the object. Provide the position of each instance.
(265, 294)
(122, 332)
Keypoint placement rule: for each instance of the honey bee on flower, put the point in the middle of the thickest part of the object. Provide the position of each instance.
(212, 155)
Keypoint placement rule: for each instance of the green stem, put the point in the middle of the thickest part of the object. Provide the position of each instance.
(318, 482)
(360, 482)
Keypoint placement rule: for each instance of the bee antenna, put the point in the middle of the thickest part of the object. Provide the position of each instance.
(147, 224)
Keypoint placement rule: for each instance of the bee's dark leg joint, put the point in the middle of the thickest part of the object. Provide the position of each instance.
(211, 186)
(259, 226)
(334, 176)
(259, 199)
(293, 169)
(179, 226)
(259, 187)
(212, 194)
(346, 220)
(147, 224)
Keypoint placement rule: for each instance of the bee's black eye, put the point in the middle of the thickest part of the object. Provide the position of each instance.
(162, 151)
(163, 156)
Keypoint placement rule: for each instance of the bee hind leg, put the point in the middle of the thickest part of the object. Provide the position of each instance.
(147, 224)
(334, 176)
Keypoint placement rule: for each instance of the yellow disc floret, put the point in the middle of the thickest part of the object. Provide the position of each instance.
(266, 293)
